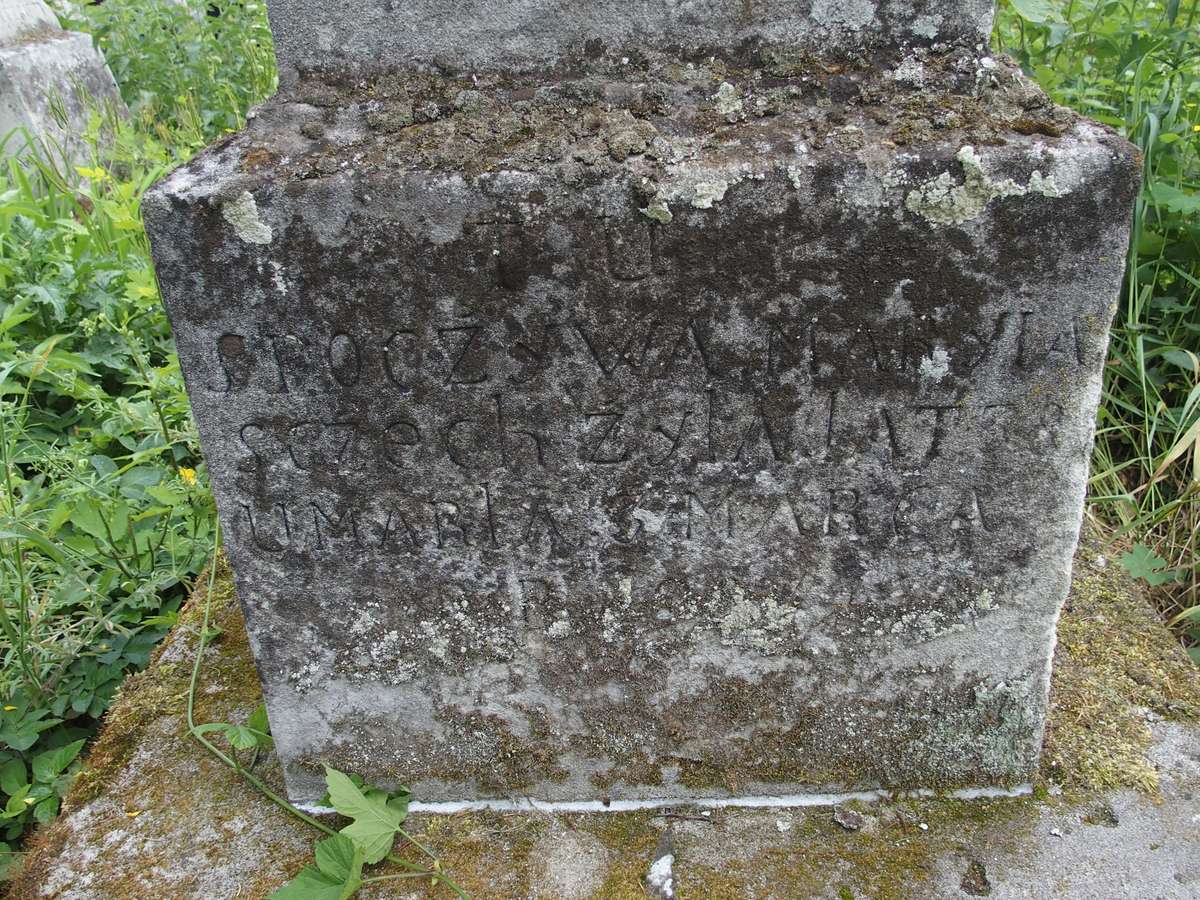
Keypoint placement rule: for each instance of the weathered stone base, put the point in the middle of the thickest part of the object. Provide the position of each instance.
(682, 431)
(153, 815)
(52, 64)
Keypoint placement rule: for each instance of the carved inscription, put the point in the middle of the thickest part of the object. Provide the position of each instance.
(483, 517)
(563, 438)
(663, 436)
(475, 355)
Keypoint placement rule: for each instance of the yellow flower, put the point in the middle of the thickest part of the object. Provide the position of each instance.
(1196, 128)
(188, 475)
(96, 174)
(9, 708)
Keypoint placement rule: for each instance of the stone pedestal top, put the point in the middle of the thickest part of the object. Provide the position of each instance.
(476, 35)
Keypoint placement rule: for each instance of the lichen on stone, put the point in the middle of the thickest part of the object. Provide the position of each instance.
(659, 211)
(242, 213)
(727, 102)
(708, 193)
(942, 201)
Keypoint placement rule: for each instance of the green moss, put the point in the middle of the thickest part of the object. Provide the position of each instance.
(633, 768)
(1114, 659)
(623, 832)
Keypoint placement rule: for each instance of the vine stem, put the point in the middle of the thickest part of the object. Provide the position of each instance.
(414, 871)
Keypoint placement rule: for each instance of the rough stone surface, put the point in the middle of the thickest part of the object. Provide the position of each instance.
(41, 63)
(154, 816)
(696, 431)
(451, 35)
(21, 18)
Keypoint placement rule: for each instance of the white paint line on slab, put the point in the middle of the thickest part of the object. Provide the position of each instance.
(783, 801)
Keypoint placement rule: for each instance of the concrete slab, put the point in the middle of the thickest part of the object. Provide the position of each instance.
(154, 815)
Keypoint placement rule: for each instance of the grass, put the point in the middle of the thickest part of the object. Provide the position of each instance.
(1135, 66)
(105, 515)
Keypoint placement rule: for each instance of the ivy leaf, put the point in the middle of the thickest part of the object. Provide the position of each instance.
(375, 823)
(336, 876)
(1035, 10)
(48, 765)
(1142, 562)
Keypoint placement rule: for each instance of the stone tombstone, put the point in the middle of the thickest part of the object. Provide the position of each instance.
(630, 400)
(42, 66)
(23, 18)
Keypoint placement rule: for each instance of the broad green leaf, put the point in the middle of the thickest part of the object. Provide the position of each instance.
(337, 875)
(167, 496)
(375, 823)
(335, 857)
(240, 737)
(88, 518)
(310, 884)
(1036, 10)
(13, 776)
(1174, 199)
(48, 765)
(58, 517)
(16, 805)
(1185, 359)
(399, 801)
(15, 314)
(24, 735)
(45, 811)
(261, 726)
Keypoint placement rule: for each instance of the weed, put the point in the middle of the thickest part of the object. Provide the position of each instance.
(377, 816)
(105, 514)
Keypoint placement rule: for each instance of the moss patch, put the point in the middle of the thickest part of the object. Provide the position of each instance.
(1115, 660)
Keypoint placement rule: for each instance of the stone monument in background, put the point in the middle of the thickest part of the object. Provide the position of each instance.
(648, 399)
(41, 66)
